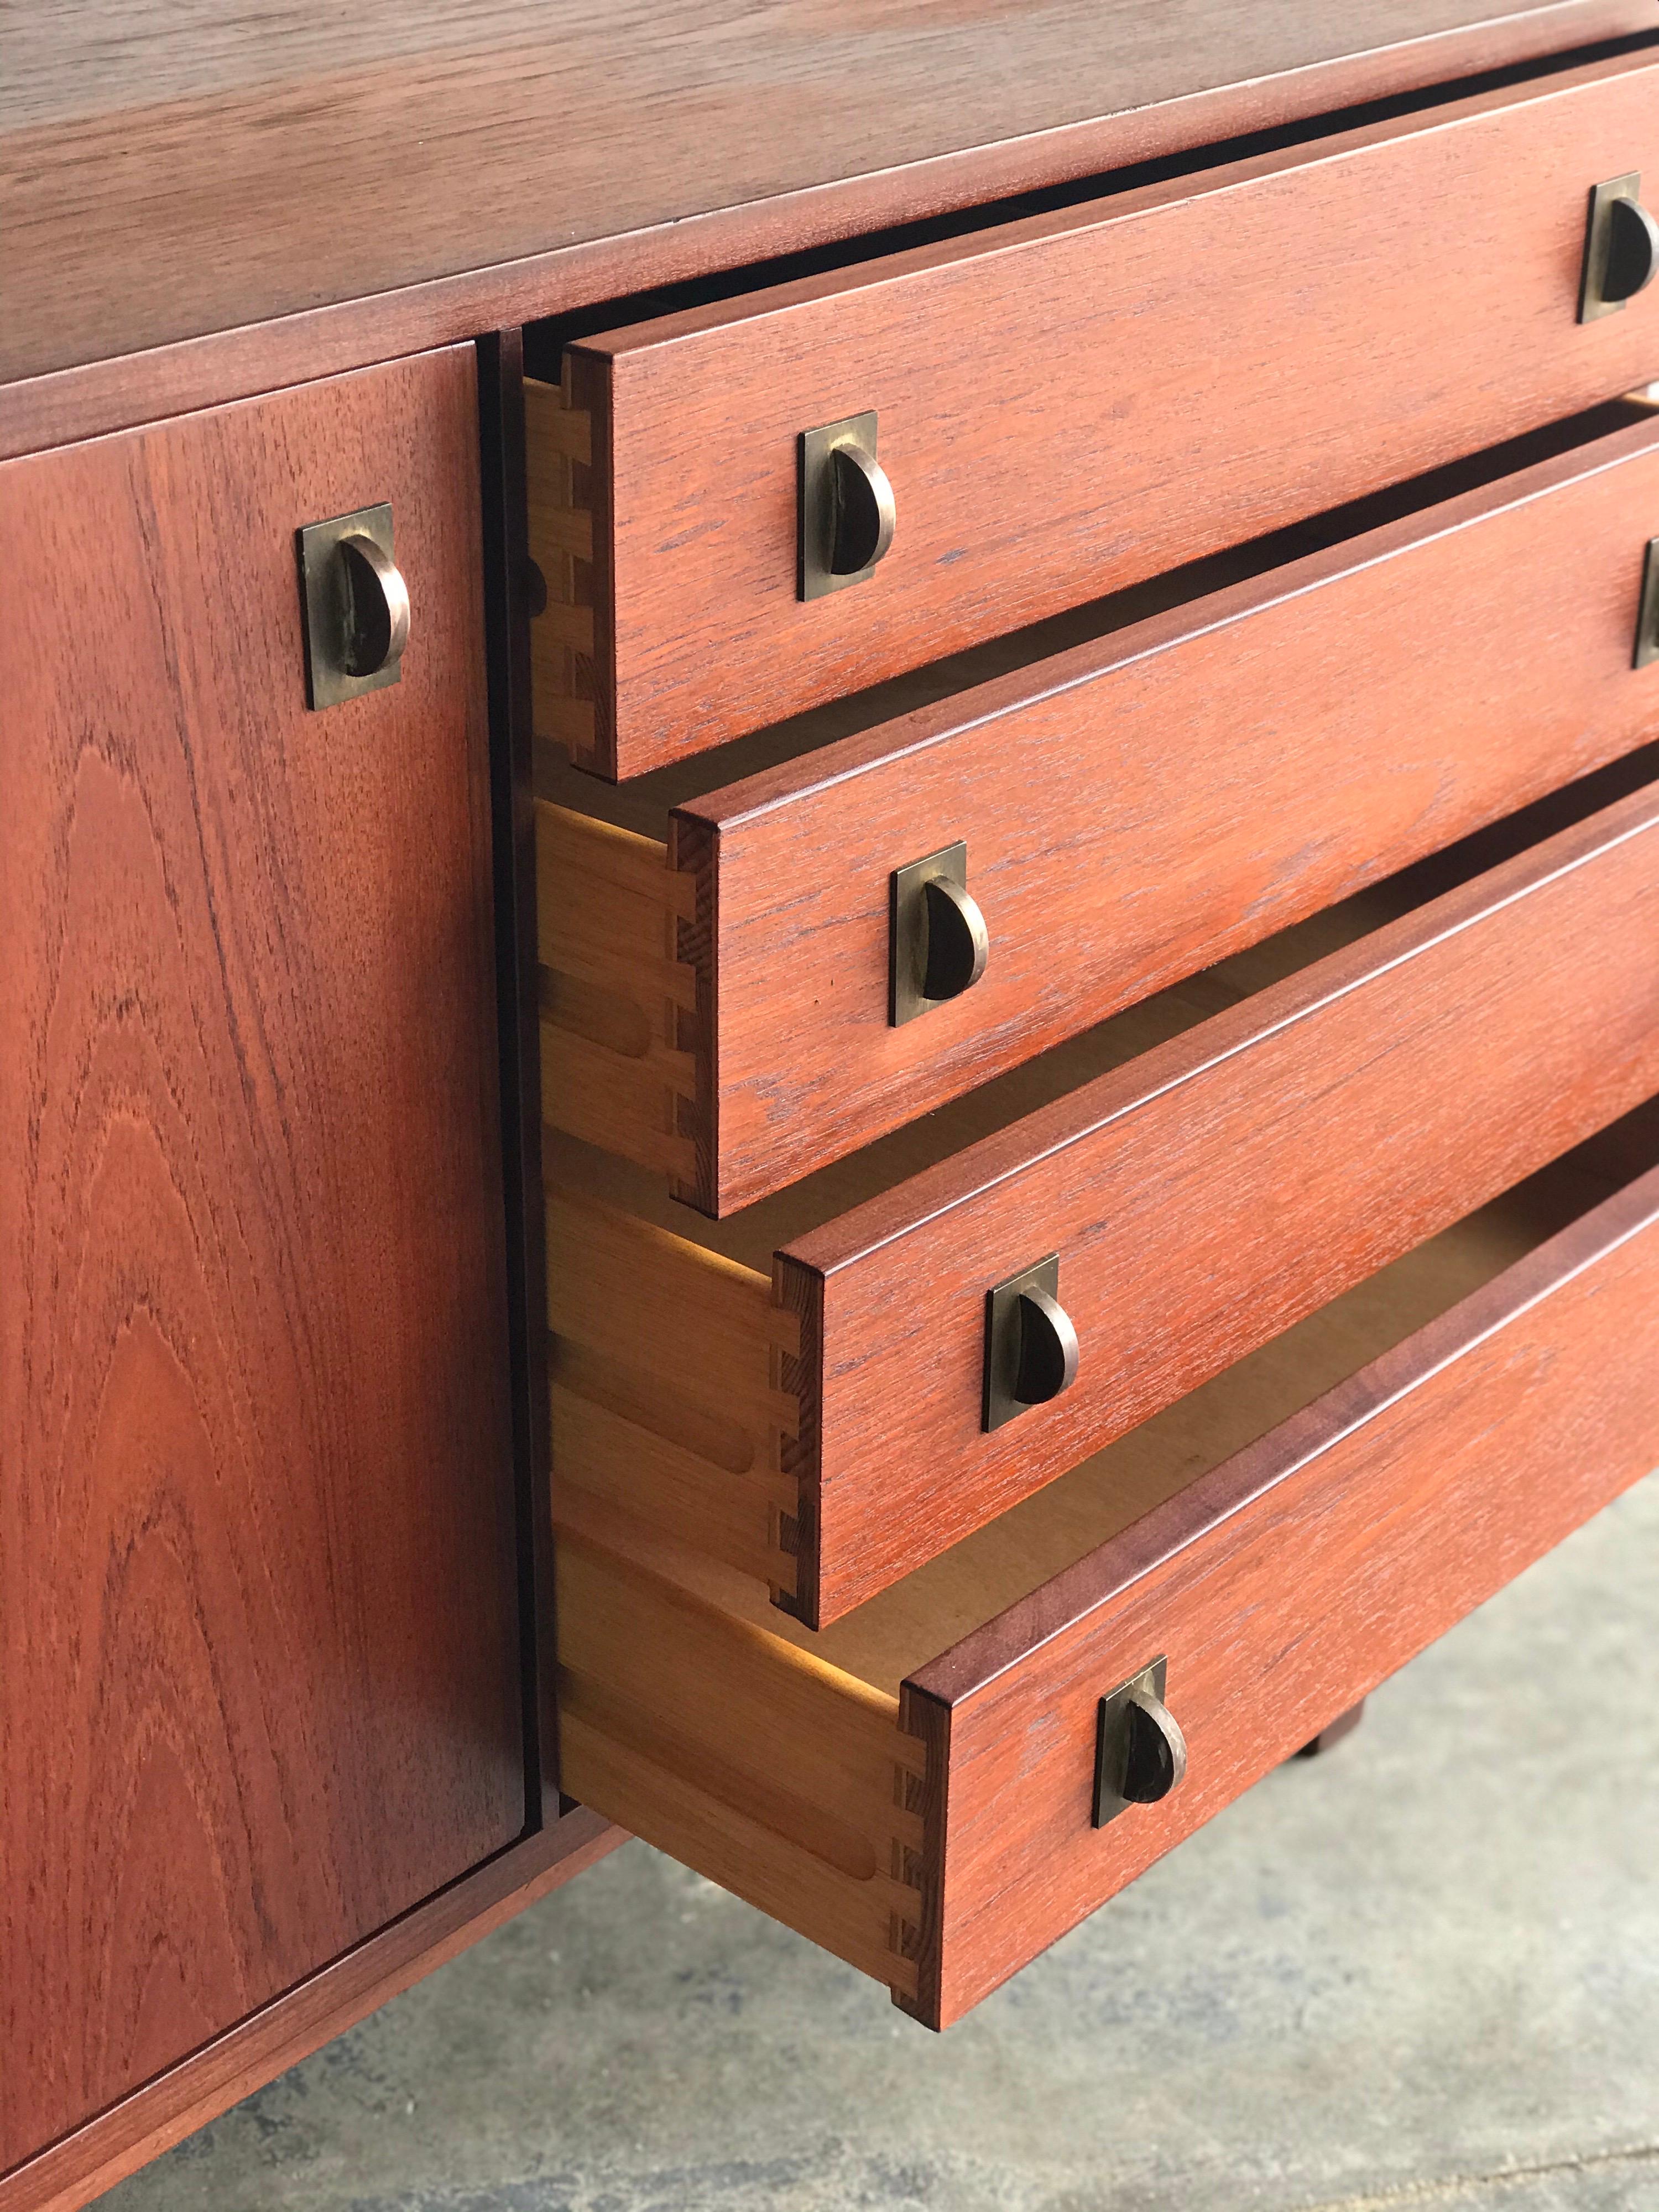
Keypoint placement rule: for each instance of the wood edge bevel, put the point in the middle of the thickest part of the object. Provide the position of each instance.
(989, 1164)
(694, 859)
(586, 383)
(926, 1795)
(799, 1291)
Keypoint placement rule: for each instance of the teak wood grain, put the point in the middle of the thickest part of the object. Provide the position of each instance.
(1208, 1193)
(259, 1661)
(1080, 399)
(1282, 1587)
(82, 2166)
(180, 189)
(1134, 809)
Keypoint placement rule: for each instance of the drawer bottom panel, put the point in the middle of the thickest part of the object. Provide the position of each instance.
(913, 1788)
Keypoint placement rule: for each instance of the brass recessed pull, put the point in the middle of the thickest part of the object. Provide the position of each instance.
(957, 946)
(354, 604)
(846, 508)
(1647, 611)
(1031, 1346)
(1140, 1754)
(376, 629)
(1621, 247)
(865, 512)
(937, 941)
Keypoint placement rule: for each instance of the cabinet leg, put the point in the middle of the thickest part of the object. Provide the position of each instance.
(1344, 1724)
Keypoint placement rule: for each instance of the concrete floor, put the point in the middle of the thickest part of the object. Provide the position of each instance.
(1423, 1972)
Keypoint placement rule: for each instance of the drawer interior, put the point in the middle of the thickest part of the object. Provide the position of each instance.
(674, 1396)
(774, 1760)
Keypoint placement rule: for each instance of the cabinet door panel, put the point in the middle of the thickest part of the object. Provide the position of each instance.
(258, 1631)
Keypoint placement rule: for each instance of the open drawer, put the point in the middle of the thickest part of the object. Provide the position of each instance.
(746, 996)
(839, 1384)
(918, 1789)
(1050, 409)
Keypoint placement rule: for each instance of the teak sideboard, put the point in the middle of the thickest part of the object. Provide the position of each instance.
(831, 1008)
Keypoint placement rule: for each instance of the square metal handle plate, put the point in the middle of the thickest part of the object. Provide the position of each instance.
(1140, 1754)
(937, 941)
(354, 604)
(1031, 1346)
(845, 508)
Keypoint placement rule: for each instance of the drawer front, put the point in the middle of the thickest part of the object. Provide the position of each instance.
(913, 1789)
(1215, 1189)
(1065, 405)
(1135, 809)
(1281, 1588)
(823, 1432)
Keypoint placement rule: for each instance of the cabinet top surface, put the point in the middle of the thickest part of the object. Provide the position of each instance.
(171, 168)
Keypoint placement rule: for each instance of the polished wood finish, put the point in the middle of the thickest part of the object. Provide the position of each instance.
(1282, 1588)
(259, 1674)
(1218, 1186)
(199, 2088)
(675, 1376)
(274, 1674)
(159, 184)
(1134, 808)
(1080, 399)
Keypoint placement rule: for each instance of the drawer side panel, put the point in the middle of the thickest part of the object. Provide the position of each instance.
(768, 1772)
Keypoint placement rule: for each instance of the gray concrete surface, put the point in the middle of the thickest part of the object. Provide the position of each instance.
(1423, 1972)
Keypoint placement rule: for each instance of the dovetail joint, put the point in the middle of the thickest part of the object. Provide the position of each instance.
(559, 472)
(906, 1862)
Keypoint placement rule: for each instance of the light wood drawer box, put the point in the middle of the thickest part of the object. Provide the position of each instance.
(914, 1790)
(815, 1418)
(1133, 810)
(1066, 403)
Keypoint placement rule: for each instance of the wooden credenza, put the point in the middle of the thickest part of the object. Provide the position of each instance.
(911, 822)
